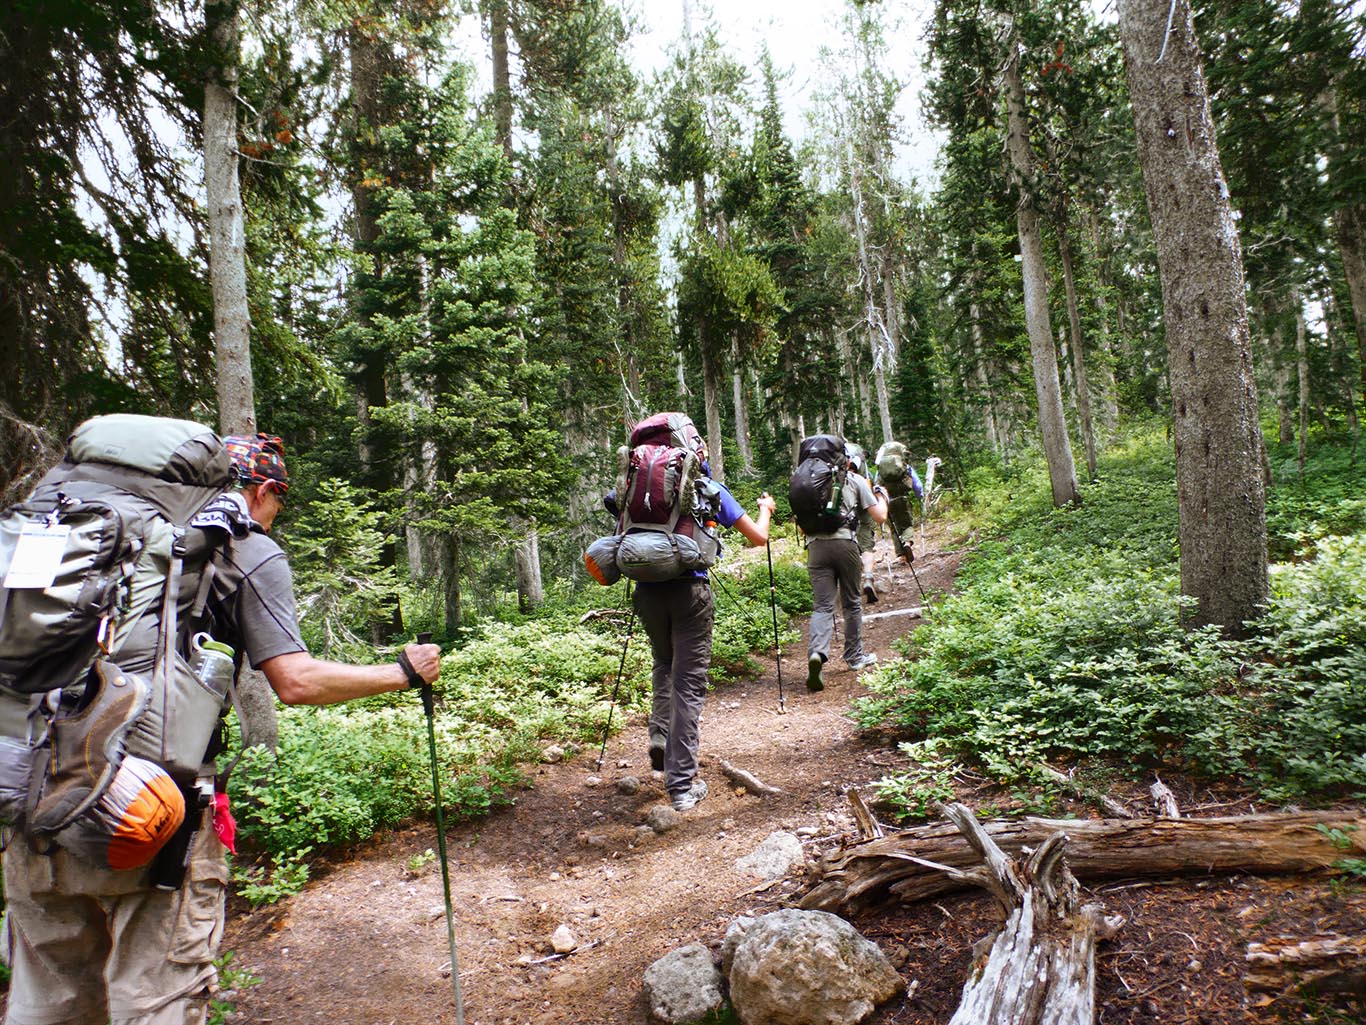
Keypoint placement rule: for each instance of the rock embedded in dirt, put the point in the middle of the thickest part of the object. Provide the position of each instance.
(779, 854)
(628, 785)
(593, 781)
(805, 968)
(562, 940)
(683, 986)
(661, 818)
(554, 753)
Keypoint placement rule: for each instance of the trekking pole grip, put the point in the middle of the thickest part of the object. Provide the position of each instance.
(428, 704)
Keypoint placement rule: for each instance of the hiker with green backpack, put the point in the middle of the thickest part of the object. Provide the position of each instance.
(134, 583)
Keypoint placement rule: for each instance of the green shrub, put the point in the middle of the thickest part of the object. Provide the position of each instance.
(1064, 639)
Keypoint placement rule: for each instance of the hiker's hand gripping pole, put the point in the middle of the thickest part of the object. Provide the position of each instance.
(778, 648)
(429, 708)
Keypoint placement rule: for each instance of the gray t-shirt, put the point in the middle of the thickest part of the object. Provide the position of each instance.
(253, 599)
(857, 496)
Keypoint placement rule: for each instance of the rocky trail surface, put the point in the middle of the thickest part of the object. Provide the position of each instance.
(564, 899)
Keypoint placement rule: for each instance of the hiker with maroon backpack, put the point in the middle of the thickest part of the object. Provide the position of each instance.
(668, 511)
(826, 497)
(101, 924)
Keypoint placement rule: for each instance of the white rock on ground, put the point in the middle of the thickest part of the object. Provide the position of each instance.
(683, 986)
(805, 968)
(774, 858)
(562, 940)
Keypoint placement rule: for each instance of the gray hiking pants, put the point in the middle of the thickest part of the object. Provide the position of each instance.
(834, 565)
(677, 616)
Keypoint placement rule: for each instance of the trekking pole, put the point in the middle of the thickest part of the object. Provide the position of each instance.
(916, 578)
(428, 707)
(773, 604)
(630, 628)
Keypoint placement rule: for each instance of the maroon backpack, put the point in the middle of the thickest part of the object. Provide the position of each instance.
(667, 524)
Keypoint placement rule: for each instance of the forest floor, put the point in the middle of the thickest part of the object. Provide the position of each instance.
(365, 942)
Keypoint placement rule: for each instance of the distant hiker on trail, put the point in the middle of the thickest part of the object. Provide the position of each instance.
(827, 497)
(668, 508)
(866, 533)
(102, 926)
(896, 474)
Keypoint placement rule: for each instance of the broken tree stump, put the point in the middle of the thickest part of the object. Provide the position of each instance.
(1041, 967)
(891, 868)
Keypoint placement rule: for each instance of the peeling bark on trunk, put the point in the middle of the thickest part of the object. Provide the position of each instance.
(1057, 446)
(227, 232)
(530, 589)
(889, 869)
(1221, 496)
(1041, 968)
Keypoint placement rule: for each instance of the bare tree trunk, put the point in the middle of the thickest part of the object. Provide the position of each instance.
(1079, 380)
(737, 382)
(1302, 370)
(880, 345)
(1221, 495)
(1349, 225)
(1057, 446)
(1109, 392)
(979, 372)
(502, 84)
(711, 373)
(448, 565)
(227, 232)
(530, 588)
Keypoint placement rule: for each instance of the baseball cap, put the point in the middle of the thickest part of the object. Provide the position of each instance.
(257, 459)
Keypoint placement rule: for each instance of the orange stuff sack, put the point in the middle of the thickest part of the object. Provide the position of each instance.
(132, 820)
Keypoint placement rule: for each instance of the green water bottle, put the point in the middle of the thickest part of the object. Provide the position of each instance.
(832, 507)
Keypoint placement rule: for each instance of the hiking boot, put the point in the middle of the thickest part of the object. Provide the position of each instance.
(813, 673)
(689, 798)
(865, 661)
(657, 745)
(869, 594)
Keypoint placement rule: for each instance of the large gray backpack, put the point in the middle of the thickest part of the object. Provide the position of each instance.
(95, 567)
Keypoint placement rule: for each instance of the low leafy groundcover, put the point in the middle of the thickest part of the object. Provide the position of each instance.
(1064, 640)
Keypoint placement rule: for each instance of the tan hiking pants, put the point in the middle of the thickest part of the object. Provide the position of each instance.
(91, 946)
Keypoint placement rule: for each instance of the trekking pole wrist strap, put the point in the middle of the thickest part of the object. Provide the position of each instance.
(414, 677)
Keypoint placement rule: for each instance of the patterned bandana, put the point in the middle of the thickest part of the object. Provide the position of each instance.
(258, 460)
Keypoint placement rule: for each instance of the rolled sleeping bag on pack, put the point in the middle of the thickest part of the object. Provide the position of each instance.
(601, 560)
(131, 822)
(652, 556)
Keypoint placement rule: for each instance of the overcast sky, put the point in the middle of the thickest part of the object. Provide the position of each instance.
(795, 31)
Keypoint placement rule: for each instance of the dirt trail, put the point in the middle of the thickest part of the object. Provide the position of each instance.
(365, 943)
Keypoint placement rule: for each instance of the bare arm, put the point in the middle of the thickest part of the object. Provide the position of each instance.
(757, 533)
(300, 679)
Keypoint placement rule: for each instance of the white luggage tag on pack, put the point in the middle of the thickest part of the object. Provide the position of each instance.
(37, 556)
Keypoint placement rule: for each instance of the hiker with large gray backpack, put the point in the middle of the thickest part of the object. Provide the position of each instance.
(826, 497)
(134, 582)
(668, 512)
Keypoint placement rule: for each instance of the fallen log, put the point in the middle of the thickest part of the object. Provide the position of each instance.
(1041, 966)
(1287, 967)
(892, 868)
